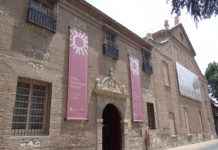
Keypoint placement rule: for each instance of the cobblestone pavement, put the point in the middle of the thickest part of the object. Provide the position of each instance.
(210, 145)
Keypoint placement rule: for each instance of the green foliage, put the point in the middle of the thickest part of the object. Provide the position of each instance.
(199, 9)
(212, 77)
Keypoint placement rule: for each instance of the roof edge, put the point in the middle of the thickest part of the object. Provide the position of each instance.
(99, 15)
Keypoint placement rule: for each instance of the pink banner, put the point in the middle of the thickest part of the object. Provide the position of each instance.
(77, 105)
(137, 103)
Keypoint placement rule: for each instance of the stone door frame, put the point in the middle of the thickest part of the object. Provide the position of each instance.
(120, 104)
(108, 90)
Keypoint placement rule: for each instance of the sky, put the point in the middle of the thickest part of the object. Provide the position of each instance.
(148, 16)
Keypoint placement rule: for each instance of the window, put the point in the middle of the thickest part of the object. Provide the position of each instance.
(147, 68)
(151, 116)
(41, 13)
(109, 47)
(31, 110)
(110, 38)
(186, 120)
(166, 74)
(172, 123)
(181, 36)
(201, 121)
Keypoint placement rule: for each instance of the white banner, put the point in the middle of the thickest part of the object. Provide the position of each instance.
(189, 84)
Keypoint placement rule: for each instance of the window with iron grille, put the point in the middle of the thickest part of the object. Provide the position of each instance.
(110, 38)
(109, 47)
(146, 66)
(41, 13)
(151, 116)
(31, 110)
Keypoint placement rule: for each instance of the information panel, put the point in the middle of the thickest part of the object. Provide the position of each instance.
(189, 84)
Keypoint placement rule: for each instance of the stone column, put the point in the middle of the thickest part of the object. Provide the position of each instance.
(126, 124)
(99, 133)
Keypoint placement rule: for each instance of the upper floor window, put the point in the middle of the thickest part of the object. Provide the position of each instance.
(181, 36)
(109, 47)
(110, 38)
(31, 110)
(166, 76)
(41, 13)
(147, 67)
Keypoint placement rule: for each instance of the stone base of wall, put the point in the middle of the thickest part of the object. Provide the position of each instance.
(161, 140)
(43, 143)
(133, 141)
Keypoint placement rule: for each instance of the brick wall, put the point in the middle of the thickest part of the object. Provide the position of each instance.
(32, 52)
(171, 50)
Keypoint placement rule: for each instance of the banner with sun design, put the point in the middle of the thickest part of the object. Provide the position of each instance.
(137, 102)
(77, 103)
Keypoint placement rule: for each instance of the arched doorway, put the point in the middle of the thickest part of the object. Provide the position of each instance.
(111, 131)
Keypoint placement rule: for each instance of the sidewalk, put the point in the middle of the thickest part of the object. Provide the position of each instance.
(208, 145)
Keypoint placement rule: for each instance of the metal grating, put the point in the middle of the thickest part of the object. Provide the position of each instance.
(109, 47)
(29, 117)
(151, 116)
(21, 106)
(42, 16)
(110, 51)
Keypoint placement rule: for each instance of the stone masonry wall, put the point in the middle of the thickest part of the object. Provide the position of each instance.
(29, 51)
(169, 98)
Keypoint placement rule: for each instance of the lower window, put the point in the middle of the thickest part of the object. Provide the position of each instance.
(32, 108)
(151, 116)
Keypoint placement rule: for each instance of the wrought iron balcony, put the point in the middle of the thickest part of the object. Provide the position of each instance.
(110, 51)
(216, 112)
(147, 68)
(41, 19)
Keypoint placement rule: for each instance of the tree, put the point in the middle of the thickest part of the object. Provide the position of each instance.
(199, 9)
(212, 77)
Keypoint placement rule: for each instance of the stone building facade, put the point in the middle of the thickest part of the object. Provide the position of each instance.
(34, 49)
(181, 119)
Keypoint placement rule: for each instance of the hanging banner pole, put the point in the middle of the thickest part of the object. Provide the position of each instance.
(77, 103)
(137, 102)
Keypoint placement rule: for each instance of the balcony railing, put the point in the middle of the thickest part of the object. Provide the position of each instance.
(110, 51)
(41, 19)
(147, 68)
(216, 113)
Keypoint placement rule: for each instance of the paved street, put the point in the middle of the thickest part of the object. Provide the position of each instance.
(210, 145)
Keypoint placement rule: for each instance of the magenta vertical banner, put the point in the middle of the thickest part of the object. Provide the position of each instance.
(77, 103)
(137, 103)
